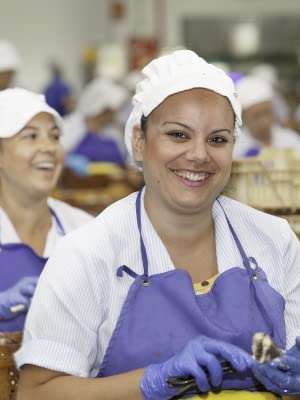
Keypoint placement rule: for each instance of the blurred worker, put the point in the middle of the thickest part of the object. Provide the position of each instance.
(59, 93)
(31, 223)
(9, 64)
(269, 73)
(92, 133)
(259, 127)
(130, 82)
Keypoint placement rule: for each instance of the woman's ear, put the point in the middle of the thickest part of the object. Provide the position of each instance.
(138, 141)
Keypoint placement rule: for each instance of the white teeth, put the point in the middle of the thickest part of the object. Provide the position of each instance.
(192, 176)
(45, 165)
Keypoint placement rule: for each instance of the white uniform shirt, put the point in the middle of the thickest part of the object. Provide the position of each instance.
(79, 297)
(281, 137)
(69, 217)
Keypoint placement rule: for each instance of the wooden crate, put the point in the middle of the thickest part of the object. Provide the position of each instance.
(270, 181)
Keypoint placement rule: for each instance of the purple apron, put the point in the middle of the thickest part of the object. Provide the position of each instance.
(162, 313)
(18, 260)
(100, 149)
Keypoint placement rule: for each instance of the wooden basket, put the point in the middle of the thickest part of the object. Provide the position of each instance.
(9, 376)
(270, 181)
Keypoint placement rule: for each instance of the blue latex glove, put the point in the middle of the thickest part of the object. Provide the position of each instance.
(277, 380)
(21, 293)
(199, 352)
(77, 163)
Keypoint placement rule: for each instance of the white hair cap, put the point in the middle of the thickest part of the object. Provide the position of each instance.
(18, 107)
(173, 73)
(99, 95)
(132, 79)
(253, 90)
(266, 72)
(9, 56)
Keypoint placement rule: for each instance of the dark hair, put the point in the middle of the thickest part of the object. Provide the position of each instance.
(144, 121)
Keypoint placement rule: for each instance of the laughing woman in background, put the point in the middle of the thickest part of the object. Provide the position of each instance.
(31, 223)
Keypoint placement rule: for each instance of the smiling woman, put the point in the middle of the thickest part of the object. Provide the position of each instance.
(171, 283)
(35, 152)
(31, 159)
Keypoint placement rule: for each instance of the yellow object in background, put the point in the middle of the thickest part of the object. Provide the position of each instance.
(106, 168)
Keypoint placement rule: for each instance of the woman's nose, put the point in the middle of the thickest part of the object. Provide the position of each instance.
(48, 145)
(197, 152)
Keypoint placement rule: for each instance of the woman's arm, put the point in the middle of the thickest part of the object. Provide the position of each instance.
(199, 354)
(39, 383)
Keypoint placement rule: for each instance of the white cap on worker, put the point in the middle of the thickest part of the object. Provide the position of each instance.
(173, 73)
(266, 72)
(253, 90)
(99, 95)
(9, 56)
(18, 107)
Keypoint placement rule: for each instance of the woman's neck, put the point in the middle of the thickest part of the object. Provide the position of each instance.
(179, 228)
(30, 217)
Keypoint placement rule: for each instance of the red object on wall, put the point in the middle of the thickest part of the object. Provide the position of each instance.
(141, 51)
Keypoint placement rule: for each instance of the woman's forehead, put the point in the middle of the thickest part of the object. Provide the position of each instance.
(41, 117)
(193, 100)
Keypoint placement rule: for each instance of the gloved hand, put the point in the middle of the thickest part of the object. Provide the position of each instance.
(77, 163)
(281, 375)
(199, 352)
(21, 293)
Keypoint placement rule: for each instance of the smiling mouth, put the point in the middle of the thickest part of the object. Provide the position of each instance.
(192, 176)
(45, 166)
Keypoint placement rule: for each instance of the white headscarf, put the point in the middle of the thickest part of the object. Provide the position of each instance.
(177, 72)
(99, 95)
(253, 90)
(18, 107)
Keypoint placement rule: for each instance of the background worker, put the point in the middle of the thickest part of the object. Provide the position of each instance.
(31, 222)
(9, 64)
(259, 126)
(92, 131)
(58, 92)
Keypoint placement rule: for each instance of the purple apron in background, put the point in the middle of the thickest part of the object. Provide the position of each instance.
(18, 260)
(162, 313)
(100, 149)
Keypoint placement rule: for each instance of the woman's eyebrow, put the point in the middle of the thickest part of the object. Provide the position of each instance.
(177, 123)
(30, 127)
(188, 127)
(222, 130)
(34, 127)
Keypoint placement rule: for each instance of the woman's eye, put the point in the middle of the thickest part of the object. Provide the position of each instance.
(30, 136)
(55, 136)
(217, 140)
(177, 135)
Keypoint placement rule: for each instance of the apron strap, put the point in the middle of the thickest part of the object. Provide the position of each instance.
(143, 249)
(58, 223)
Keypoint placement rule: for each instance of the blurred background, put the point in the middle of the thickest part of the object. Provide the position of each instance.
(86, 36)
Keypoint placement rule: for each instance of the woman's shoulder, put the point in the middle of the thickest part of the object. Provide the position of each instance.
(116, 220)
(69, 216)
(249, 217)
(105, 236)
